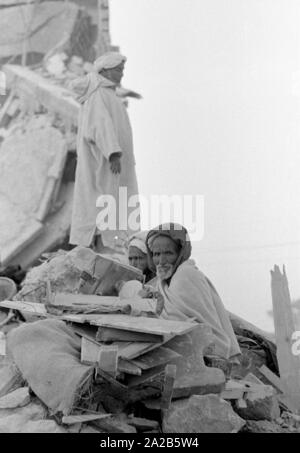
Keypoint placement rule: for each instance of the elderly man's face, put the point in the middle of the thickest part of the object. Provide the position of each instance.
(137, 258)
(165, 253)
(115, 75)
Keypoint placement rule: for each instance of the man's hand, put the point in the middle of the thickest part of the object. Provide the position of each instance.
(115, 163)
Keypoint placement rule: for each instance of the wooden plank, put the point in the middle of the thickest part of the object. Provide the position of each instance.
(289, 365)
(250, 377)
(72, 419)
(170, 376)
(155, 358)
(108, 360)
(131, 351)
(84, 299)
(125, 366)
(142, 424)
(145, 325)
(26, 307)
(85, 330)
(149, 375)
(107, 334)
(2, 344)
(272, 378)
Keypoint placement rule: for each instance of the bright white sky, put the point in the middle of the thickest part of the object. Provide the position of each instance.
(220, 117)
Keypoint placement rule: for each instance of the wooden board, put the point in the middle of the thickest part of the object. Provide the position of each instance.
(155, 358)
(82, 299)
(26, 307)
(125, 366)
(73, 300)
(147, 376)
(272, 378)
(84, 418)
(289, 364)
(107, 334)
(133, 350)
(85, 330)
(166, 397)
(145, 325)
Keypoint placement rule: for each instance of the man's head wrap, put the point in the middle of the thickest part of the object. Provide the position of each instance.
(138, 240)
(109, 61)
(178, 234)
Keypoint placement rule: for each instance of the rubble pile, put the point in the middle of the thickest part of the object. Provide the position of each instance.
(87, 360)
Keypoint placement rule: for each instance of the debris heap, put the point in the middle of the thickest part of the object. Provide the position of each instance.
(87, 360)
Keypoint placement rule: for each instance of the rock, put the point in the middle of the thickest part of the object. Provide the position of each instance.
(263, 426)
(193, 376)
(43, 426)
(202, 414)
(10, 379)
(17, 398)
(14, 420)
(259, 408)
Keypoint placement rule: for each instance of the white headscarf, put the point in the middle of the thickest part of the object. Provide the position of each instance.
(109, 60)
(138, 240)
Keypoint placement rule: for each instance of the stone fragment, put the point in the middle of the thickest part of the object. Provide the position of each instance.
(14, 420)
(266, 408)
(17, 398)
(10, 379)
(202, 414)
(43, 426)
(264, 426)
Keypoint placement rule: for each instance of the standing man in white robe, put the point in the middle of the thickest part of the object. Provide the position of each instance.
(105, 158)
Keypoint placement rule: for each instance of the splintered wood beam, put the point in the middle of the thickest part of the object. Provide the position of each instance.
(289, 364)
(166, 397)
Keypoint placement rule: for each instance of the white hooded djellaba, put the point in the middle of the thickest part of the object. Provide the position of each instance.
(104, 129)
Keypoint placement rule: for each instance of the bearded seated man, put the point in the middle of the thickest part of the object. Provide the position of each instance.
(186, 291)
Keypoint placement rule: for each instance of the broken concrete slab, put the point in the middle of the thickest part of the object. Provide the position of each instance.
(34, 88)
(51, 25)
(17, 398)
(30, 160)
(202, 414)
(55, 229)
(10, 379)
